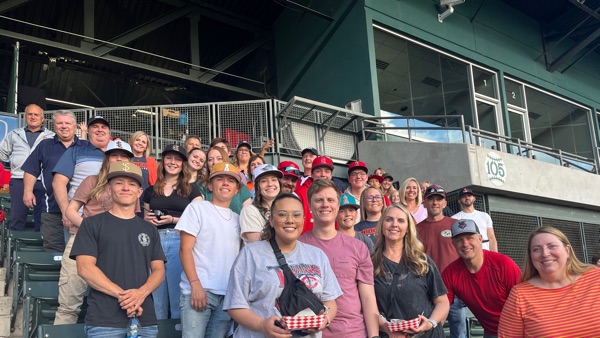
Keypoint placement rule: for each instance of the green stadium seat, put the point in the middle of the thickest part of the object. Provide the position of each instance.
(169, 328)
(61, 331)
(39, 306)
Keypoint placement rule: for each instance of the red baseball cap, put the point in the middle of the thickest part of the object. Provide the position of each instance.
(289, 168)
(377, 177)
(356, 165)
(322, 161)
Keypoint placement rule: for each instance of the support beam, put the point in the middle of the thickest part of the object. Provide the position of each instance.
(194, 47)
(142, 30)
(233, 58)
(56, 46)
(573, 51)
(88, 20)
(6, 6)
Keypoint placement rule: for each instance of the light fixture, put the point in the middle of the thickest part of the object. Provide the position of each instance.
(448, 5)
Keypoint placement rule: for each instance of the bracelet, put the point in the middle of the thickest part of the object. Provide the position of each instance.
(195, 280)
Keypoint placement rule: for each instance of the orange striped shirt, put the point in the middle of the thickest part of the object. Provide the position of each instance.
(570, 311)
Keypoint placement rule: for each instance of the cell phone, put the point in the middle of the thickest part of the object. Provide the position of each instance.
(278, 324)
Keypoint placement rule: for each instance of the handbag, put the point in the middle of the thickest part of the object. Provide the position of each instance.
(295, 296)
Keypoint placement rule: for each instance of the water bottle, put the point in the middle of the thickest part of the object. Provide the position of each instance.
(133, 328)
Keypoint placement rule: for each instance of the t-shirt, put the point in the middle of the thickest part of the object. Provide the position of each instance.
(173, 204)
(485, 291)
(77, 163)
(302, 193)
(421, 214)
(141, 162)
(237, 202)
(217, 232)
(251, 220)
(483, 221)
(256, 280)
(368, 242)
(437, 239)
(413, 294)
(93, 206)
(351, 264)
(367, 228)
(42, 161)
(569, 311)
(124, 249)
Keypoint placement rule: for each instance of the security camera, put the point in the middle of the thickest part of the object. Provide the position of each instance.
(445, 14)
(451, 2)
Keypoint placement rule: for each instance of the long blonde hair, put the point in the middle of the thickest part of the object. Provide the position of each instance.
(135, 136)
(413, 251)
(403, 191)
(574, 266)
(102, 182)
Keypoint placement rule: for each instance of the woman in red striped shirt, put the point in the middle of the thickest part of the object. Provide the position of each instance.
(556, 292)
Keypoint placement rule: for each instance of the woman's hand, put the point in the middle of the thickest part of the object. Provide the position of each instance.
(425, 325)
(164, 220)
(269, 328)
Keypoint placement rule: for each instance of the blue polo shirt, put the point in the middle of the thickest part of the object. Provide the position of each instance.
(42, 161)
(78, 163)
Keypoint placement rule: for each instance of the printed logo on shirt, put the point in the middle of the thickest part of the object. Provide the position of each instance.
(369, 231)
(144, 239)
(309, 274)
(446, 233)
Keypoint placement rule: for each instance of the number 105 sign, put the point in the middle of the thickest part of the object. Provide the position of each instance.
(495, 169)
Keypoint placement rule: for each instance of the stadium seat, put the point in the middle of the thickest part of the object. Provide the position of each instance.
(169, 328)
(39, 306)
(61, 331)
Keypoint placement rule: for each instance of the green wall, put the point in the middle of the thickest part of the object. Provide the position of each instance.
(325, 61)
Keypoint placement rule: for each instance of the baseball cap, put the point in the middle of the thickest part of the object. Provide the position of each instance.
(465, 191)
(97, 119)
(347, 200)
(127, 169)
(174, 148)
(265, 169)
(322, 161)
(464, 226)
(357, 165)
(289, 168)
(118, 145)
(435, 190)
(377, 177)
(388, 177)
(225, 168)
(311, 149)
(244, 144)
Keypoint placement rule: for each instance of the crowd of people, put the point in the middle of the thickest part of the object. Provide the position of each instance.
(195, 236)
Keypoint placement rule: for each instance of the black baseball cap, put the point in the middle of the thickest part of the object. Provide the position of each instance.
(465, 191)
(435, 190)
(174, 148)
(97, 119)
(311, 149)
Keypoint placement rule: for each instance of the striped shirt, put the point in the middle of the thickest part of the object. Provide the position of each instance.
(569, 311)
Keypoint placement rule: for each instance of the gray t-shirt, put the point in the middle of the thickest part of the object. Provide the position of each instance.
(368, 242)
(256, 280)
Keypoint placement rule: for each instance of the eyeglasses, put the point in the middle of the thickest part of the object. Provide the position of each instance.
(373, 198)
(357, 174)
(243, 151)
(282, 216)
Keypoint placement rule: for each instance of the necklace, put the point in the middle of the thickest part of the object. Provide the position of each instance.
(220, 214)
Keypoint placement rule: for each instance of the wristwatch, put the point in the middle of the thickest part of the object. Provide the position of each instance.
(432, 323)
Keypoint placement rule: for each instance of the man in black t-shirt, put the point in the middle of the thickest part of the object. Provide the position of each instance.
(120, 257)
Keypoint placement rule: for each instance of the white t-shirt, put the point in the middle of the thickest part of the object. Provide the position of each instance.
(251, 220)
(483, 221)
(217, 232)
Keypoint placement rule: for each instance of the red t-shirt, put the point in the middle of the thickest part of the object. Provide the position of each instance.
(437, 239)
(301, 191)
(485, 291)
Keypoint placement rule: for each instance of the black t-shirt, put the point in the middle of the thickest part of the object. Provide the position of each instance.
(413, 295)
(173, 204)
(123, 249)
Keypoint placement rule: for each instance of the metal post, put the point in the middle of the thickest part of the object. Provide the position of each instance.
(13, 89)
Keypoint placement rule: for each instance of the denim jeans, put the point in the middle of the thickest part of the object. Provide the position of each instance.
(457, 319)
(150, 331)
(212, 322)
(166, 296)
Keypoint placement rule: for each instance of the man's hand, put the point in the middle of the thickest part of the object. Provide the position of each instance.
(66, 223)
(132, 299)
(198, 298)
(29, 199)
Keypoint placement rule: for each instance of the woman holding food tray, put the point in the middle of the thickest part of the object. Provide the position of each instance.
(408, 285)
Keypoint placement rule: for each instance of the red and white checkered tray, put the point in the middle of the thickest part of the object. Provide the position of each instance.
(303, 322)
(403, 325)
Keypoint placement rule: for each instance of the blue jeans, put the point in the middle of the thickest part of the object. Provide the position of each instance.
(212, 322)
(457, 319)
(117, 332)
(166, 296)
